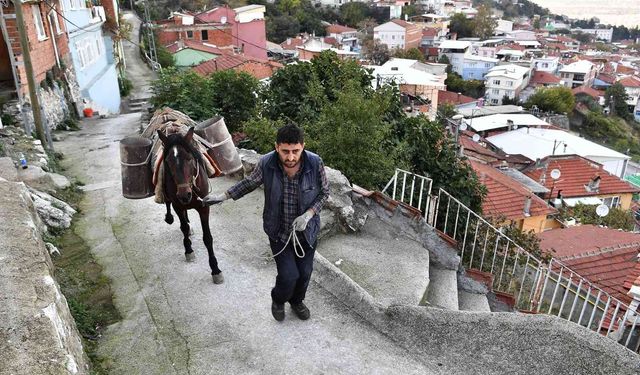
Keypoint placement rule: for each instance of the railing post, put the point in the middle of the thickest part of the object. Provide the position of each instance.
(435, 219)
(495, 252)
(413, 185)
(544, 287)
(404, 184)
(604, 314)
(566, 292)
(584, 305)
(484, 247)
(575, 299)
(420, 198)
(446, 216)
(633, 327)
(555, 290)
(475, 238)
(612, 322)
(395, 184)
(455, 228)
(464, 239)
(595, 307)
(524, 275)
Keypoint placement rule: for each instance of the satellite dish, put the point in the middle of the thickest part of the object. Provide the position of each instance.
(602, 210)
(555, 174)
(463, 126)
(476, 138)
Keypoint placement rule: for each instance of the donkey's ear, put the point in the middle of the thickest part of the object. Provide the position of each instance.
(163, 137)
(189, 135)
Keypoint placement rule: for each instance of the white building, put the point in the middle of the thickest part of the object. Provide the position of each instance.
(507, 80)
(537, 143)
(546, 64)
(503, 27)
(398, 34)
(504, 121)
(455, 51)
(631, 85)
(601, 34)
(579, 73)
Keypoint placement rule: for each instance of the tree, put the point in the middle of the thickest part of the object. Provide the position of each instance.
(582, 37)
(279, 28)
(484, 24)
(375, 51)
(233, 95)
(553, 99)
(354, 12)
(461, 25)
(411, 54)
(471, 87)
(432, 152)
(616, 98)
(261, 133)
(506, 100)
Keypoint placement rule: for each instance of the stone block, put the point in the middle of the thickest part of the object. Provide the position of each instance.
(8, 169)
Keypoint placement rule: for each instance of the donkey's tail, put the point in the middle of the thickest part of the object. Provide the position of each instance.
(168, 217)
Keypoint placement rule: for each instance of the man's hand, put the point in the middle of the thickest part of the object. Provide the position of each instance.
(212, 199)
(300, 223)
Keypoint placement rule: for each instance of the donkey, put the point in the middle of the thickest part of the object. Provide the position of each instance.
(185, 184)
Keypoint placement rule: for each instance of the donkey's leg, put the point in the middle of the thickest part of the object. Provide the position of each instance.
(208, 242)
(168, 218)
(184, 227)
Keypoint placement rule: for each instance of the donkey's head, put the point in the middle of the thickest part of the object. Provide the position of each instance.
(181, 163)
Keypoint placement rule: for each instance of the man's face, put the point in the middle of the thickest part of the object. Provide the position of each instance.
(289, 153)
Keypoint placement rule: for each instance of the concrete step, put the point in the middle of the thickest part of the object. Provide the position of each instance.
(472, 301)
(138, 100)
(443, 288)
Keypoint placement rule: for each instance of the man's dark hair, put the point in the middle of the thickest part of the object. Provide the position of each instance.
(291, 134)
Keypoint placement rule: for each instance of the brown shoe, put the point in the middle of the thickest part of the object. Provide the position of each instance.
(277, 310)
(301, 311)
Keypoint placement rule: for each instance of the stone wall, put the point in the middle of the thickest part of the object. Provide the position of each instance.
(37, 332)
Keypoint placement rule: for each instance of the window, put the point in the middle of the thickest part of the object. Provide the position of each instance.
(487, 65)
(78, 4)
(510, 83)
(53, 19)
(612, 201)
(402, 37)
(496, 92)
(494, 101)
(205, 34)
(496, 82)
(393, 37)
(89, 50)
(545, 65)
(37, 19)
(189, 34)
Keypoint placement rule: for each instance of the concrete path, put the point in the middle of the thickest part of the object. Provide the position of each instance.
(137, 70)
(175, 320)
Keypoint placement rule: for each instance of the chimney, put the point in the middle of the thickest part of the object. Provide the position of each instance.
(527, 207)
(594, 184)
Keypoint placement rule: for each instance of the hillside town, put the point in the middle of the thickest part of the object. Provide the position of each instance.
(509, 133)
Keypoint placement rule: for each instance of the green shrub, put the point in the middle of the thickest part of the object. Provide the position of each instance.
(125, 86)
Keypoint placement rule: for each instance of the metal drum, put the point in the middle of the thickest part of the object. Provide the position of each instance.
(135, 167)
(221, 149)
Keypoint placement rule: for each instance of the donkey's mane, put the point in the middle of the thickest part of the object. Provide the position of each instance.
(177, 139)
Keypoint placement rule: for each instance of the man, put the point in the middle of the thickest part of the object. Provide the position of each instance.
(295, 188)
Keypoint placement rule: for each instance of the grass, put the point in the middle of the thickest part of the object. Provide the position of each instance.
(86, 288)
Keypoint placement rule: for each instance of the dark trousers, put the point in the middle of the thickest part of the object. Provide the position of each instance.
(293, 273)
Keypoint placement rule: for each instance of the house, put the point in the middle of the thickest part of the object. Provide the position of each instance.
(455, 50)
(500, 122)
(398, 34)
(597, 96)
(508, 199)
(631, 85)
(50, 57)
(581, 181)
(457, 100)
(503, 27)
(579, 73)
(537, 143)
(544, 79)
(547, 64)
(188, 53)
(243, 28)
(313, 46)
(521, 35)
(93, 62)
(571, 44)
(600, 34)
(422, 80)
(505, 80)
(476, 67)
(260, 69)
(429, 36)
(606, 257)
(345, 36)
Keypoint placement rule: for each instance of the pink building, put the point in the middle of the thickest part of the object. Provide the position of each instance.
(247, 26)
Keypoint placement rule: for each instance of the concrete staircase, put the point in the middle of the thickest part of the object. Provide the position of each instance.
(402, 261)
(138, 104)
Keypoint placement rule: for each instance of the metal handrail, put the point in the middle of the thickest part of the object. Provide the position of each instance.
(423, 191)
(552, 289)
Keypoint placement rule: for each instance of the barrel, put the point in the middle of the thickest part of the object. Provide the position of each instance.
(135, 167)
(222, 149)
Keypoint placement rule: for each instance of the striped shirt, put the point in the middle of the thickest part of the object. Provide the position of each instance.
(289, 204)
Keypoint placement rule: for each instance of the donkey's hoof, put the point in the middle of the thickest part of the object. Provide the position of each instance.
(218, 279)
(190, 256)
(168, 218)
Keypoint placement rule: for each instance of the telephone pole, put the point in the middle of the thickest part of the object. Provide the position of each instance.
(26, 58)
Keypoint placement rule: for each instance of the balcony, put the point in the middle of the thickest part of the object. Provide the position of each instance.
(97, 14)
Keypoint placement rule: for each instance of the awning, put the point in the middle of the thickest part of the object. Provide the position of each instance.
(591, 201)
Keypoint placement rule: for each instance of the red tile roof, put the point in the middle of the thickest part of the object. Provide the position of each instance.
(544, 78)
(604, 256)
(576, 172)
(292, 43)
(587, 91)
(608, 78)
(513, 46)
(448, 97)
(331, 40)
(505, 196)
(198, 46)
(256, 67)
(624, 69)
(429, 31)
(405, 24)
(630, 81)
(338, 29)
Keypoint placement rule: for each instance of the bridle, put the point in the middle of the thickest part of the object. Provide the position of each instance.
(192, 181)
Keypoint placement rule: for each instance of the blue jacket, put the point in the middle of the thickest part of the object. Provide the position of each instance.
(309, 190)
